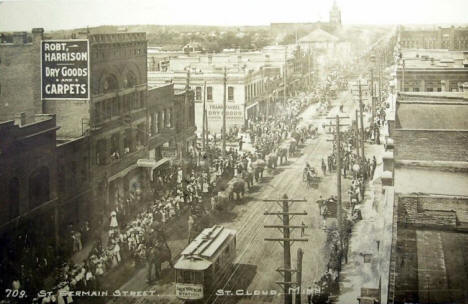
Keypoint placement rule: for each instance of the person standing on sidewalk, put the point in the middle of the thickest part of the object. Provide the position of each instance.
(309, 293)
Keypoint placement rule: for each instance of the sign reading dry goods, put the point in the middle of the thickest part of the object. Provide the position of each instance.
(65, 69)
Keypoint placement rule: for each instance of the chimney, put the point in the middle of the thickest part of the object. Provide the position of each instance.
(37, 35)
(19, 37)
(20, 119)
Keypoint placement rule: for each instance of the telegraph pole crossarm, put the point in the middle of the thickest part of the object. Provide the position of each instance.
(286, 240)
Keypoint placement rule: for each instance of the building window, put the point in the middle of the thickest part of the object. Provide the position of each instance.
(156, 123)
(115, 146)
(128, 141)
(159, 121)
(430, 89)
(101, 153)
(39, 187)
(198, 94)
(108, 109)
(14, 197)
(209, 93)
(140, 136)
(439, 89)
(415, 89)
(230, 93)
(163, 118)
(115, 106)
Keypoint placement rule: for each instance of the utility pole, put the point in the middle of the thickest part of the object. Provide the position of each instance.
(339, 206)
(224, 111)
(361, 110)
(204, 118)
(372, 95)
(356, 131)
(286, 241)
(285, 74)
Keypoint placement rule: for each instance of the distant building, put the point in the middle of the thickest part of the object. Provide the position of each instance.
(423, 70)
(451, 38)
(335, 15)
(254, 79)
(334, 23)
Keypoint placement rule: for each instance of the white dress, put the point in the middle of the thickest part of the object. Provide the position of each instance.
(113, 221)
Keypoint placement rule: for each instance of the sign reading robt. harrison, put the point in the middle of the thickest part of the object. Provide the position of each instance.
(65, 69)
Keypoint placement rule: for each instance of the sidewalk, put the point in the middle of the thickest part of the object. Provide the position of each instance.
(365, 255)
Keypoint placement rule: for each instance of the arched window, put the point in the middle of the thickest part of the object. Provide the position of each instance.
(108, 84)
(14, 199)
(129, 80)
(39, 191)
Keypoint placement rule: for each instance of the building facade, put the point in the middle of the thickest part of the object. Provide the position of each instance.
(452, 38)
(28, 193)
(20, 89)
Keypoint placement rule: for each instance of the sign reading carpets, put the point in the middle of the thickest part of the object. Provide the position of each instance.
(65, 69)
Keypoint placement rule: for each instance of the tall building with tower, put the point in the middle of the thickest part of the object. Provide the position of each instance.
(335, 15)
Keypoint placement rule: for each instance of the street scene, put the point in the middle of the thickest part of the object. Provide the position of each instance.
(148, 161)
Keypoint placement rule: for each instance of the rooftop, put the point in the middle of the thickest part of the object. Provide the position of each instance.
(430, 181)
(433, 267)
(199, 252)
(432, 115)
(319, 35)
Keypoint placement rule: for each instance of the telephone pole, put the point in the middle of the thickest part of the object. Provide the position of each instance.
(286, 241)
(285, 74)
(339, 206)
(356, 132)
(204, 118)
(361, 110)
(224, 111)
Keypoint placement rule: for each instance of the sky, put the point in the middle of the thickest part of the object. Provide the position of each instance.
(22, 15)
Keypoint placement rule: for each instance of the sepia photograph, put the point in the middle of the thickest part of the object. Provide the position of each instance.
(233, 152)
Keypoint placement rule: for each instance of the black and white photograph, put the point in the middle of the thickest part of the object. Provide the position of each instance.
(233, 152)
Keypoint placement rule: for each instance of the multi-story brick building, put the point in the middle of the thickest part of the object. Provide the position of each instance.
(20, 89)
(254, 81)
(430, 199)
(421, 70)
(451, 38)
(28, 193)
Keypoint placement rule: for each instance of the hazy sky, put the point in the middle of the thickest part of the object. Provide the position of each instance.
(64, 14)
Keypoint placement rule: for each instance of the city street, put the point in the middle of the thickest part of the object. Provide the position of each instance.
(257, 260)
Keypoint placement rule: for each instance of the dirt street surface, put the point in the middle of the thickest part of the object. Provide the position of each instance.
(257, 260)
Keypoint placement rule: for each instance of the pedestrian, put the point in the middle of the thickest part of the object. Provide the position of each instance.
(302, 229)
(309, 293)
(324, 168)
(241, 141)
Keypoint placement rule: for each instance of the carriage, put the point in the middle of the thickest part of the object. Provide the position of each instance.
(204, 263)
(311, 178)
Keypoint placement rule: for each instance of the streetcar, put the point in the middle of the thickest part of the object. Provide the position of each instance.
(204, 262)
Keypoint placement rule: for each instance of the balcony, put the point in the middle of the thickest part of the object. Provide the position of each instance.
(114, 166)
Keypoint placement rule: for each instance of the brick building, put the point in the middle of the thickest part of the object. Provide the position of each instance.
(422, 70)
(428, 263)
(28, 193)
(451, 38)
(20, 89)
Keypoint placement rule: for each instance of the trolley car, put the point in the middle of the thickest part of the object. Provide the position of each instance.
(204, 262)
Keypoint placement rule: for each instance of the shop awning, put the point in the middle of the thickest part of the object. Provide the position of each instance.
(251, 106)
(122, 173)
(151, 163)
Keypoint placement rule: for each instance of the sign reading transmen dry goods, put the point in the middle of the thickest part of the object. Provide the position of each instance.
(65, 69)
